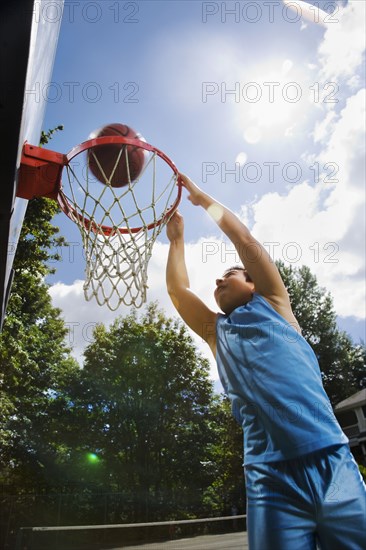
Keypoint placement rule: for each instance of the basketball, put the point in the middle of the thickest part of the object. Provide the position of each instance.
(112, 161)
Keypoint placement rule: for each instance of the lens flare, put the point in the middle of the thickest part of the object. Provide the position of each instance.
(92, 458)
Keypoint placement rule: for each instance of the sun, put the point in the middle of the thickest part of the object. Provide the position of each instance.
(274, 100)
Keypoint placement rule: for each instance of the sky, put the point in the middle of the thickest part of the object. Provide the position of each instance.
(261, 106)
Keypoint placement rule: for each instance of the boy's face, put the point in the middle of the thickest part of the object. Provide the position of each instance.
(232, 290)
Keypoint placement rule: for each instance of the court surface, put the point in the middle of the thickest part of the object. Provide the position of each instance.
(231, 541)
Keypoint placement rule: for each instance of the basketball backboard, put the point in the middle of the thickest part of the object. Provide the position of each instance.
(29, 33)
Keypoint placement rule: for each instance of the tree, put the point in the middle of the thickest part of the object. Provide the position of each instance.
(140, 421)
(36, 369)
(342, 363)
(46, 136)
(225, 461)
(146, 394)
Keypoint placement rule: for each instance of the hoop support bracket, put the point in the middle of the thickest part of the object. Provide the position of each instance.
(40, 172)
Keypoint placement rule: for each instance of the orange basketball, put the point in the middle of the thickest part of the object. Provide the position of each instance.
(107, 156)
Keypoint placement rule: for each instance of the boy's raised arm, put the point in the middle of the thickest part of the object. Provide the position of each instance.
(262, 270)
(192, 310)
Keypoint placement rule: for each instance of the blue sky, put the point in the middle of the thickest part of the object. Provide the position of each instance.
(262, 107)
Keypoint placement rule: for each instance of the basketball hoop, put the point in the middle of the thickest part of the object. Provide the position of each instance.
(119, 224)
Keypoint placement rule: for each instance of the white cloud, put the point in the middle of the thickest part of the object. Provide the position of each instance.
(318, 224)
(325, 220)
(354, 82)
(205, 259)
(342, 50)
(79, 315)
(346, 138)
(322, 128)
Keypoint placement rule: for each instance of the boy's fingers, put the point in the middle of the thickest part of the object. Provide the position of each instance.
(177, 216)
(184, 179)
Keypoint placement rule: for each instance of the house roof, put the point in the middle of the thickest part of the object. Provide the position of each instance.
(356, 400)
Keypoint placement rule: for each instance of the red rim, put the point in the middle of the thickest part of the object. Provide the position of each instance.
(72, 213)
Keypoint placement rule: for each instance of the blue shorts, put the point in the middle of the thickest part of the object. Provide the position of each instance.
(317, 500)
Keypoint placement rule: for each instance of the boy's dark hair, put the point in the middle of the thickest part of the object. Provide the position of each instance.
(239, 268)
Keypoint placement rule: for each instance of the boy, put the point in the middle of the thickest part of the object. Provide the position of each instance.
(303, 486)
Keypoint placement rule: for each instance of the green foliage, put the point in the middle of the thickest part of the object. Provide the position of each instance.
(362, 471)
(35, 363)
(38, 237)
(36, 368)
(138, 433)
(225, 461)
(46, 136)
(146, 395)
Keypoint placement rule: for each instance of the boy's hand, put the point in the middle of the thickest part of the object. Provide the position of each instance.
(195, 193)
(175, 227)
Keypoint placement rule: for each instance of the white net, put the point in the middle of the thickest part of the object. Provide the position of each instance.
(119, 223)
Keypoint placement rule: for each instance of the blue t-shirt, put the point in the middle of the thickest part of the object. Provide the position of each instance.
(273, 380)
